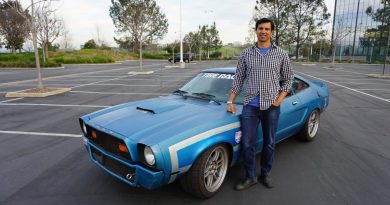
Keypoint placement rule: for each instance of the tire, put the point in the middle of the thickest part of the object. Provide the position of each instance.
(195, 180)
(187, 61)
(309, 130)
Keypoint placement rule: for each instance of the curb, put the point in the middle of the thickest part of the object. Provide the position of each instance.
(140, 72)
(386, 76)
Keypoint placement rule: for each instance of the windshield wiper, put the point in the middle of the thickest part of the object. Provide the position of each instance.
(208, 97)
(180, 92)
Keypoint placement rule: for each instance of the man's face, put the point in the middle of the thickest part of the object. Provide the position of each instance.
(264, 32)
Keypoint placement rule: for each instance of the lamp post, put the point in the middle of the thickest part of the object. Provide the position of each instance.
(387, 48)
(182, 64)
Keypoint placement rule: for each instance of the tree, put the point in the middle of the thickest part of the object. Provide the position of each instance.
(213, 41)
(209, 38)
(125, 43)
(340, 31)
(91, 44)
(66, 39)
(307, 17)
(13, 25)
(279, 12)
(49, 27)
(192, 40)
(382, 15)
(141, 20)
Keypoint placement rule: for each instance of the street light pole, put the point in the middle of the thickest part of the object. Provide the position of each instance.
(182, 64)
(387, 49)
(34, 34)
(386, 52)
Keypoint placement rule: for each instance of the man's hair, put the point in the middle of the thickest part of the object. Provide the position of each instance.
(265, 20)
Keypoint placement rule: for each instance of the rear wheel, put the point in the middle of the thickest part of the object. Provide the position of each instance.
(207, 173)
(309, 130)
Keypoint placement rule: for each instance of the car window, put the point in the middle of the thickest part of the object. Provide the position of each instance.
(299, 85)
(216, 84)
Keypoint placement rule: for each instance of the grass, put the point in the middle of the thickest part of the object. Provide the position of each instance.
(65, 57)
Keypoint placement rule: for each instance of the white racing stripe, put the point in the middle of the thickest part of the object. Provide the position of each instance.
(348, 88)
(192, 140)
(39, 133)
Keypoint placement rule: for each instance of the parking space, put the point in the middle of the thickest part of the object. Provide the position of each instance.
(42, 158)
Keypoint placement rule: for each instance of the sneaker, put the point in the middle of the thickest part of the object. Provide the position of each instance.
(266, 181)
(245, 184)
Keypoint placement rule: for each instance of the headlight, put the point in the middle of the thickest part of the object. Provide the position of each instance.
(149, 156)
(84, 128)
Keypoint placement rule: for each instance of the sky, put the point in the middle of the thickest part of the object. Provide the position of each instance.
(85, 19)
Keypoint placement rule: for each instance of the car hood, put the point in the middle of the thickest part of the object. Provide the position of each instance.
(154, 120)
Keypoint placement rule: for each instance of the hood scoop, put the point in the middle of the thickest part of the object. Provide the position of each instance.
(145, 110)
(157, 107)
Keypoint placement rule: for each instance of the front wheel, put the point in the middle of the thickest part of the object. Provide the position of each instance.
(207, 173)
(309, 130)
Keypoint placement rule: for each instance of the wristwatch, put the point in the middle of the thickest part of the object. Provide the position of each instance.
(229, 102)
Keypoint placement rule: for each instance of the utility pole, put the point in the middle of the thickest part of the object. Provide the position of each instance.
(182, 64)
(387, 49)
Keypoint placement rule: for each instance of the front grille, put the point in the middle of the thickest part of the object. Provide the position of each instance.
(107, 142)
(113, 165)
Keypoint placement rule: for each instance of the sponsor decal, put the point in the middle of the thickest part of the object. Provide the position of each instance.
(218, 76)
(238, 136)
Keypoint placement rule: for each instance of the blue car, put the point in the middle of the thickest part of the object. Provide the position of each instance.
(188, 135)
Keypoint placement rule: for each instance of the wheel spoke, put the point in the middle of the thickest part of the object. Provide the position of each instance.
(206, 174)
(209, 180)
(313, 116)
(216, 156)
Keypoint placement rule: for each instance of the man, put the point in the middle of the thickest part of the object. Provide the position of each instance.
(265, 69)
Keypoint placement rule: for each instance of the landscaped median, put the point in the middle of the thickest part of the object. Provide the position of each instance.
(56, 59)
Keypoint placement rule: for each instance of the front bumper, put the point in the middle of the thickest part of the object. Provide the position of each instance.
(132, 174)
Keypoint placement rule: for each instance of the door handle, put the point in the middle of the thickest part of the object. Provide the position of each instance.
(295, 102)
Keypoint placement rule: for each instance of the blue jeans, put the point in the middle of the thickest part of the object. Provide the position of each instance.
(250, 118)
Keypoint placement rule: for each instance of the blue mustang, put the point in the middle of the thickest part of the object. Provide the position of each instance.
(189, 135)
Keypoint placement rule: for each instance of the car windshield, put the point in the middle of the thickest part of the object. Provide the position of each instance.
(212, 86)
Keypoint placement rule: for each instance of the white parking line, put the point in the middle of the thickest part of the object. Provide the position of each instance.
(53, 105)
(78, 74)
(39, 133)
(348, 88)
(77, 86)
(355, 83)
(11, 100)
(113, 93)
(154, 79)
(375, 89)
(126, 85)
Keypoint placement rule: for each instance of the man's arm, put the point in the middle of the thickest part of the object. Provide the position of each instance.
(230, 105)
(238, 81)
(287, 79)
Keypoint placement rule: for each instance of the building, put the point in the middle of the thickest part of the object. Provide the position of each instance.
(359, 31)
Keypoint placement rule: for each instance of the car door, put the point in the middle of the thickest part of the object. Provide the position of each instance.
(292, 111)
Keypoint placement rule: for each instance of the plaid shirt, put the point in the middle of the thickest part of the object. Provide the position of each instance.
(263, 75)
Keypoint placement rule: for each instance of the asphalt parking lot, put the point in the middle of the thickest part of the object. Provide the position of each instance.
(43, 161)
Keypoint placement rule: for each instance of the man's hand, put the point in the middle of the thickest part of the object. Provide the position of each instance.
(230, 105)
(231, 108)
(277, 102)
(280, 99)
